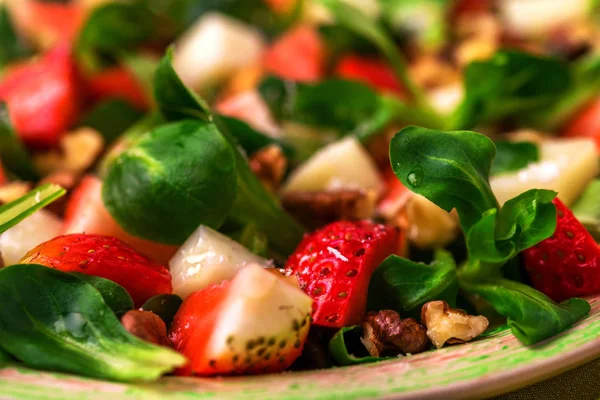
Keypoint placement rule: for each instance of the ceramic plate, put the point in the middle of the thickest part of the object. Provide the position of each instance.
(492, 365)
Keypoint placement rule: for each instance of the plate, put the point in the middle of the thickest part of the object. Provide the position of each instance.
(490, 366)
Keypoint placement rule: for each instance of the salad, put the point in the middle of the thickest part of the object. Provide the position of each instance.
(246, 186)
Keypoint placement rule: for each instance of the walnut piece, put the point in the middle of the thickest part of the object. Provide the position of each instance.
(448, 325)
(315, 209)
(269, 165)
(146, 326)
(386, 333)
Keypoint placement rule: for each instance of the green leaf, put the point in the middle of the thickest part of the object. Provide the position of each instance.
(251, 238)
(173, 98)
(111, 118)
(249, 138)
(164, 305)
(114, 28)
(404, 286)
(510, 84)
(513, 156)
(172, 180)
(53, 320)
(143, 68)
(12, 152)
(114, 295)
(449, 168)
(253, 204)
(532, 316)
(346, 348)
(4, 357)
(422, 21)
(523, 221)
(13, 47)
(357, 22)
(587, 209)
(16, 211)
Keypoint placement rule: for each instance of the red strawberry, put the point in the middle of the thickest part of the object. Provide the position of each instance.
(86, 213)
(257, 322)
(370, 71)
(42, 97)
(334, 265)
(297, 55)
(106, 257)
(586, 123)
(567, 263)
(117, 82)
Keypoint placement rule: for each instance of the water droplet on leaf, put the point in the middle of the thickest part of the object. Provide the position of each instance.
(415, 176)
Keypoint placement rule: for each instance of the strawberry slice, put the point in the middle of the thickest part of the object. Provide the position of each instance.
(567, 263)
(117, 82)
(297, 55)
(85, 213)
(106, 257)
(373, 72)
(586, 123)
(334, 265)
(42, 97)
(255, 323)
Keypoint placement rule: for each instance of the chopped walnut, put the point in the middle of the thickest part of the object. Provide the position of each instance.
(146, 326)
(269, 165)
(243, 80)
(13, 190)
(386, 333)
(430, 71)
(78, 152)
(448, 325)
(315, 209)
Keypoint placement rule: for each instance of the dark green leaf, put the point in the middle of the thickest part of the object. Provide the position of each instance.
(510, 84)
(54, 320)
(12, 152)
(16, 211)
(114, 295)
(172, 180)
(532, 316)
(251, 238)
(404, 286)
(523, 221)
(247, 137)
(253, 204)
(114, 28)
(13, 47)
(173, 99)
(111, 118)
(4, 357)
(513, 156)
(346, 348)
(587, 209)
(449, 168)
(164, 305)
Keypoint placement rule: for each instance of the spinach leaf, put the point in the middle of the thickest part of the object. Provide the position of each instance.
(510, 84)
(532, 316)
(164, 305)
(114, 28)
(16, 211)
(249, 138)
(449, 168)
(111, 118)
(404, 286)
(173, 98)
(522, 222)
(252, 238)
(346, 348)
(171, 180)
(513, 156)
(4, 357)
(13, 47)
(253, 204)
(114, 295)
(12, 152)
(587, 209)
(53, 320)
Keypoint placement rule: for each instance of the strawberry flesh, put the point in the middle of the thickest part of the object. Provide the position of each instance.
(106, 257)
(334, 265)
(566, 264)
